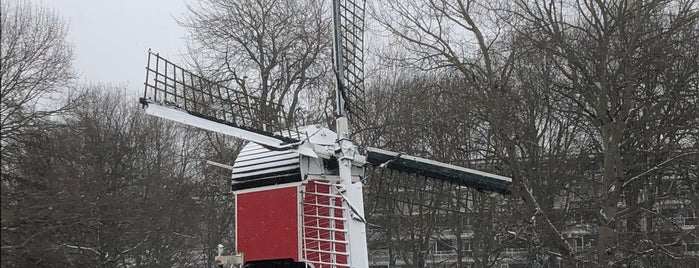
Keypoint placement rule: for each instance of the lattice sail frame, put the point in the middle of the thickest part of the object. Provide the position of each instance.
(349, 60)
(170, 85)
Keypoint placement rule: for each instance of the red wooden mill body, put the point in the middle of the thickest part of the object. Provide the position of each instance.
(293, 207)
(267, 223)
(299, 221)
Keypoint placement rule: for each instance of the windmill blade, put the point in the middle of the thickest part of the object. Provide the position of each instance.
(275, 141)
(176, 94)
(440, 171)
(349, 59)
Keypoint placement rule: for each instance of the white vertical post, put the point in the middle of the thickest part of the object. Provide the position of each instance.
(356, 229)
(347, 150)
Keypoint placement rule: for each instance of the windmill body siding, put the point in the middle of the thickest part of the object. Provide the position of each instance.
(257, 166)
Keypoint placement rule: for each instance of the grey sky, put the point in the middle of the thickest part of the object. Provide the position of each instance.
(111, 37)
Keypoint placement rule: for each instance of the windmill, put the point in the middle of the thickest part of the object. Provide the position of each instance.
(298, 189)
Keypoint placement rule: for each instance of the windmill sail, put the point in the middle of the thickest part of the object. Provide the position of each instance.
(349, 59)
(440, 171)
(174, 93)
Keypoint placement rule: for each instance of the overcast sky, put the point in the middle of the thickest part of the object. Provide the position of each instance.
(111, 37)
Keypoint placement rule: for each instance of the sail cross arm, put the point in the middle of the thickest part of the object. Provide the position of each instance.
(441, 171)
(184, 117)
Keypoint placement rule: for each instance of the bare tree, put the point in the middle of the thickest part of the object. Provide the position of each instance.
(104, 187)
(276, 50)
(557, 83)
(621, 63)
(35, 62)
(469, 39)
(420, 221)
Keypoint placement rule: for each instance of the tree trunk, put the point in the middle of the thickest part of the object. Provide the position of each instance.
(612, 175)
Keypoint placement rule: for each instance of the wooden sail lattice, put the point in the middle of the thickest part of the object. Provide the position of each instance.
(170, 85)
(351, 41)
